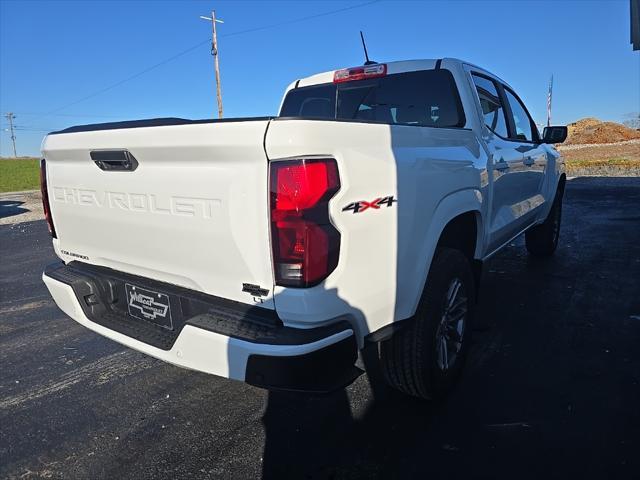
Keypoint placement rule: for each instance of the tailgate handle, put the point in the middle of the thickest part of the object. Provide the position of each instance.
(114, 160)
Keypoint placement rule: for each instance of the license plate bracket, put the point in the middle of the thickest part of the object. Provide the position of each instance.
(149, 305)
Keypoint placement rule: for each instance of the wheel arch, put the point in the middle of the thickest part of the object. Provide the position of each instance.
(558, 188)
(456, 214)
(562, 182)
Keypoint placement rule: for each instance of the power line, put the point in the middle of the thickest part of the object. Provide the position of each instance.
(35, 129)
(74, 115)
(132, 77)
(23, 127)
(27, 129)
(298, 20)
(190, 49)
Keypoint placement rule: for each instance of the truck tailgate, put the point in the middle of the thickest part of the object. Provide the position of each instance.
(194, 212)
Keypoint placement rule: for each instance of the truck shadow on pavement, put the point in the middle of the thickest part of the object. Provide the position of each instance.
(319, 436)
(10, 208)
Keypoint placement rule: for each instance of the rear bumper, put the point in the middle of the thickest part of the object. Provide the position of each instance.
(209, 334)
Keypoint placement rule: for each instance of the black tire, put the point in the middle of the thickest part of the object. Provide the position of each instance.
(411, 360)
(542, 240)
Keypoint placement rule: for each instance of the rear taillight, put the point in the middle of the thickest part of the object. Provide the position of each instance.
(305, 243)
(45, 197)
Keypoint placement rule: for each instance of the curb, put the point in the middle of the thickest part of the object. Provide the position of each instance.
(21, 192)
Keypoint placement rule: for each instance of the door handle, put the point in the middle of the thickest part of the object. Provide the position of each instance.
(528, 161)
(114, 160)
(501, 165)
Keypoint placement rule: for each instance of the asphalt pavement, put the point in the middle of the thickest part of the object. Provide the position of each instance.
(551, 390)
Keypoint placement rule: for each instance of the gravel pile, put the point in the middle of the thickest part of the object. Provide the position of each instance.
(593, 131)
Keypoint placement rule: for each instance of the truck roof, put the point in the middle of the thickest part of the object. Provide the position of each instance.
(400, 66)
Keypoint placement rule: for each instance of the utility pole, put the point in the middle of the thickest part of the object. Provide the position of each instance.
(10, 116)
(214, 52)
(549, 98)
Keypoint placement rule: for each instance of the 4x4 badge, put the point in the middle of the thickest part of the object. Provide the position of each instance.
(363, 205)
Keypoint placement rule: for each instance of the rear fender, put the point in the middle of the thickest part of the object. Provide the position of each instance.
(453, 205)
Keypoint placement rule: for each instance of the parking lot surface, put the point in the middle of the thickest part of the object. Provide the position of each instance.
(551, 390)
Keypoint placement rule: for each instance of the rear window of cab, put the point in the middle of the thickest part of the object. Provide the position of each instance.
(427, 98)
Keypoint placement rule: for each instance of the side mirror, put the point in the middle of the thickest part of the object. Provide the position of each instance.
(556, 134)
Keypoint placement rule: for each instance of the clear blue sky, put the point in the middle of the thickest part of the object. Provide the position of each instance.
(53, 53)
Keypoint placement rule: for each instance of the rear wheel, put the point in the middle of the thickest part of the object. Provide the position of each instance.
(542, 240)
(424, 358)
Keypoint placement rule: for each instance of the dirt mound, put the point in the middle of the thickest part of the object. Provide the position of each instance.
(592, 130)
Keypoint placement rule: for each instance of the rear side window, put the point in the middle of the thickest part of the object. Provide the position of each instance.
(492, 108)
(426, 98)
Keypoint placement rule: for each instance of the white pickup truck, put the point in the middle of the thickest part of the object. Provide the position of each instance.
(271, 250)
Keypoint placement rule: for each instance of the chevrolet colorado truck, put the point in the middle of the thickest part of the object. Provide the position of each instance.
(272, 250)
